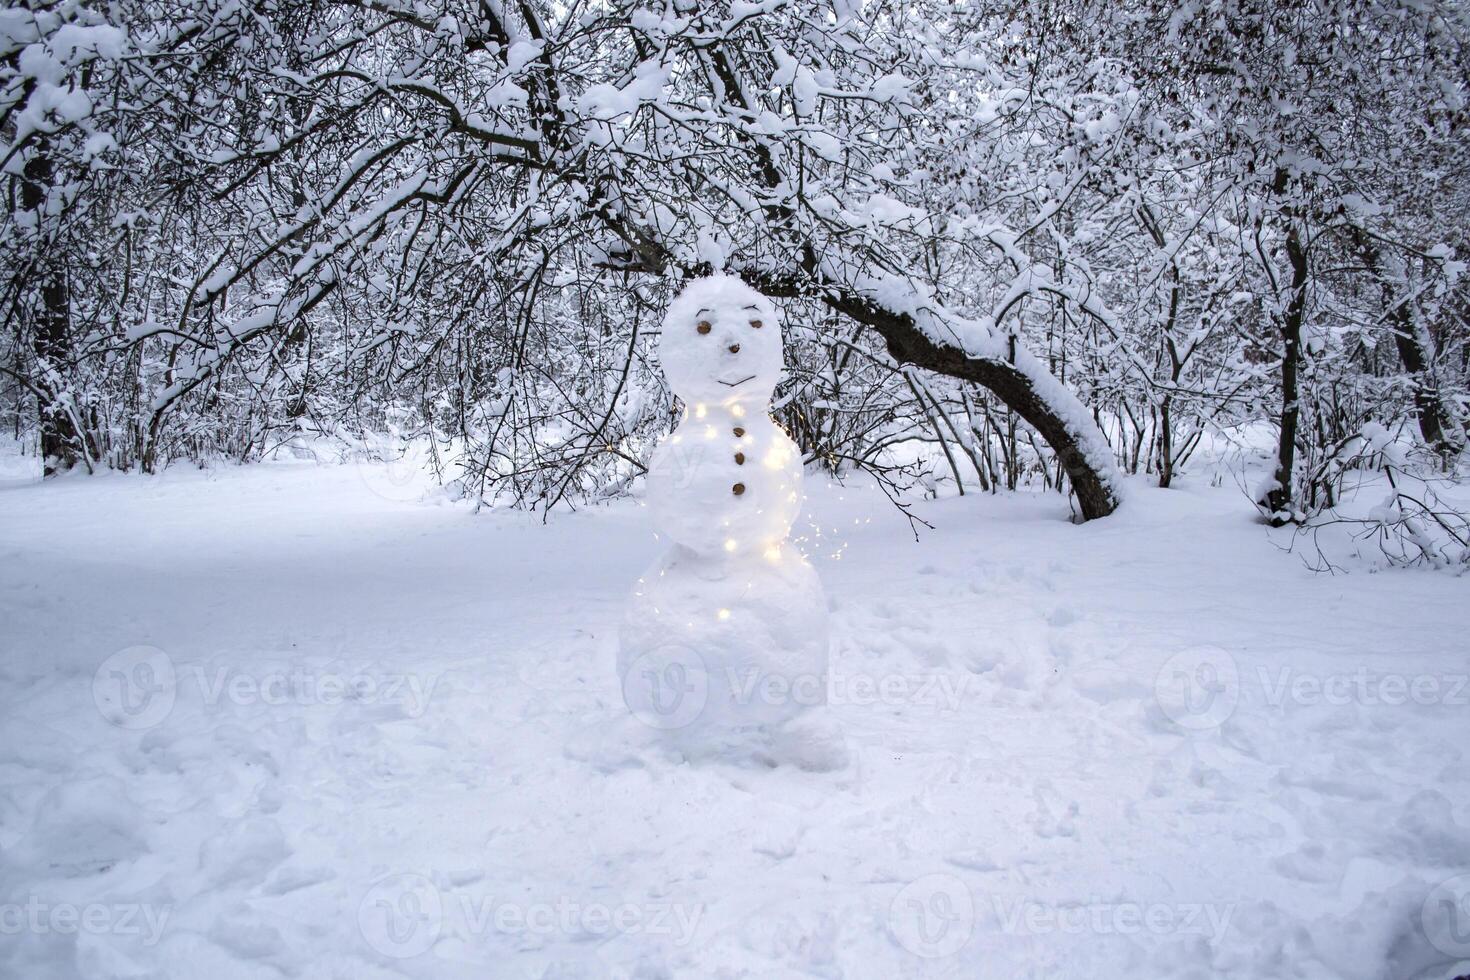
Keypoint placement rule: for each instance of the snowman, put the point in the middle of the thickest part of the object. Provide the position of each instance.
(724, 645)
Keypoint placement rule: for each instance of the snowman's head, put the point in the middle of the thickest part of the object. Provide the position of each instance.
(721, 343)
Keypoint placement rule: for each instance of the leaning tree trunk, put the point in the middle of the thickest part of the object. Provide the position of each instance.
(1021, 382)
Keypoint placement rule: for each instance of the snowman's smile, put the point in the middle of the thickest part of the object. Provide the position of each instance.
(736, 384)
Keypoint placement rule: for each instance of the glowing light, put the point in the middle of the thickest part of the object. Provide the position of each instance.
(700, 411)
(724, 614)
(738, 411)
(709, 432)
(773, 553)
(730, 544)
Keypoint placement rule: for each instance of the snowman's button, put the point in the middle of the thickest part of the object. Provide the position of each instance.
(739, 459)
(738, 489)
(704, 326)
(739, 432)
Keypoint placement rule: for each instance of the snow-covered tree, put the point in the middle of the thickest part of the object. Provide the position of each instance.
(1110, 226)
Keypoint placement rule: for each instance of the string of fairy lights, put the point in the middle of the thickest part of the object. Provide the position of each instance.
(818, 541)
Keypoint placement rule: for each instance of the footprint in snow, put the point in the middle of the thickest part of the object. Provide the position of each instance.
(1062, 616)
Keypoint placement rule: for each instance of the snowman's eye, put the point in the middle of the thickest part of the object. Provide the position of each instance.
(704, 326)
(757, 324)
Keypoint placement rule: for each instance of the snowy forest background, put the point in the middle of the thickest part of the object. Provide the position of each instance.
(1021, 243)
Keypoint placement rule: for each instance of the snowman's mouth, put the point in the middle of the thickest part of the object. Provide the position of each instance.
(737, 384)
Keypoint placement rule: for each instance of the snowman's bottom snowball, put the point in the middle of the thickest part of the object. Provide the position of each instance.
(717, 649)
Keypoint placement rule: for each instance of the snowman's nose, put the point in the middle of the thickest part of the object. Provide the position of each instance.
(734, 348)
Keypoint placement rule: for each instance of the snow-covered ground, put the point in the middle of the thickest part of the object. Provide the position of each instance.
(291, 721)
